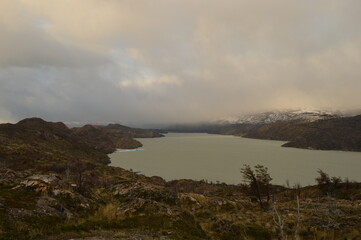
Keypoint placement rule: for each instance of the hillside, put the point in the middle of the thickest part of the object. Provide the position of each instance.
(35, 142)
(112, 136)
(332, 134)
(117, 204)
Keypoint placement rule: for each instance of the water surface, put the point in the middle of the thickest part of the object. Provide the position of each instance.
(220, 158)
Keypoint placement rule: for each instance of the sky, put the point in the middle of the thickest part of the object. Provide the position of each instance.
(176, 61)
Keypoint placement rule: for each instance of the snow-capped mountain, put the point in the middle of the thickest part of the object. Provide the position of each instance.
(282, 116)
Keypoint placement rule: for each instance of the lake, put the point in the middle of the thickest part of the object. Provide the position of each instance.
(219, 158)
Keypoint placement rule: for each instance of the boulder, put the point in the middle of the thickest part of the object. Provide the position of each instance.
(146, 191)
(41, 183)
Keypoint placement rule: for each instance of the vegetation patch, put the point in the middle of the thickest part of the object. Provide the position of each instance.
(18, 197)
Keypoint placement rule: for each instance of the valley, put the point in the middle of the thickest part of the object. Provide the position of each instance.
(56, 183)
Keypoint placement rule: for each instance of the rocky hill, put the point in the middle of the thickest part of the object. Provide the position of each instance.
(332, 134)
(104, 203)
(34, 141)
(112, 136)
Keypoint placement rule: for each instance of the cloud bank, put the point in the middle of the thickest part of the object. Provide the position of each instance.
(166, 61)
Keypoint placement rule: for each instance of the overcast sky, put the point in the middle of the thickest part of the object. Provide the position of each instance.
(165, 61)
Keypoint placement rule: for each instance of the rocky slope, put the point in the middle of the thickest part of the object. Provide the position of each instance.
(118, 204)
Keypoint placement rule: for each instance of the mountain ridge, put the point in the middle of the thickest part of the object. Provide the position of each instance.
(34, 140)
(328, 134)
(282, 116)
(310, 130)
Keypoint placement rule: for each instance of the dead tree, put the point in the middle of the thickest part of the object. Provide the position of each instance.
(279, 222)
(296, 236)
(277, 219)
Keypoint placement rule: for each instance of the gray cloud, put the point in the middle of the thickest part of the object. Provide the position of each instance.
(161, 61)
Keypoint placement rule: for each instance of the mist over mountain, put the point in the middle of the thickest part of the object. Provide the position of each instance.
(246, 118)
(163, 62)
(257, 119)
(283, 116)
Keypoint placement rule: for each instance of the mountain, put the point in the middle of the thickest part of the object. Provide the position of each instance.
(302, 129)
(241, 125)
(112, 136)
(121, 130)
(33, 142)
(329, 134)
(99, 138)
(281, 116)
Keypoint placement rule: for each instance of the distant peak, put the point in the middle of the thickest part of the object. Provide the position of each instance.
(39, 122)
(115, 125)
(283, 116)
(33, 120)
